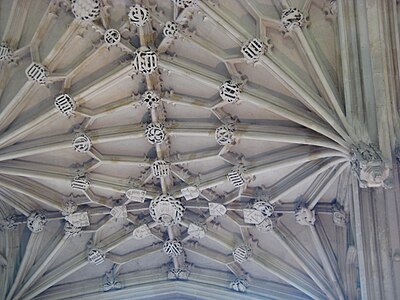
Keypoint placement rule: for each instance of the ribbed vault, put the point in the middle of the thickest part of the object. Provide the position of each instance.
(184, 148)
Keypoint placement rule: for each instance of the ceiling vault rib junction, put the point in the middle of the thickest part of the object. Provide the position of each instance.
(272, 63)
(283, 110)
(219, 147)
(201, 276)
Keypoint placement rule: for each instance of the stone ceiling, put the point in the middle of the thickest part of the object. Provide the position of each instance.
(180, 148)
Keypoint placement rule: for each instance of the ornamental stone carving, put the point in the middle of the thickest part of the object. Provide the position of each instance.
(330, 8)
(170, 29)
(119, 212)
(230, 91)
(259, 215)
(239, 285)
(79, 219)
(160, 168)
(6, 54)
(190, 193)
(37, 72)
(305, 216)
(173, 248)
(71, 230)
(112, 284)
(196, 231)
(136, 195)
(339, 216)
(80, 182)
(112, 37)
(253, 50)
(8, 223)
(151, 99)
(237, 176)
(253, 216)
(292, 18)
(178, 274)
(86, 10)
(242, 253)
(266, 208)
(265, 226)
(141, 232)
(36, 221)
(166, 210)
(65, 104)
(96, 256)
(68, 207)
(81, 143)
(224, 135)
(397, 153)
(184, 3)
(216, 209)
(155, 133)
(111, 281)
(145, 62)
(369, 166)
(138, 15)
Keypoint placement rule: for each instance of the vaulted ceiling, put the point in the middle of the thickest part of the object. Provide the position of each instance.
(185, 149)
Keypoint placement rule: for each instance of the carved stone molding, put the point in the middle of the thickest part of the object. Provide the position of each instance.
(230, 91)
(224, 135)
(65, 104)
(6, 53)
(173, 248)
(37, 72)
(266, 208)
(81, 143)
(160, 168)
(242, 253)
(68, 207)
(70, 230)
(36, 221)
(136, 195)
(292, 18)
(184, 3)
(80, 182)
(8, 223)
(86, 10)
(216, 209)
(155, 133)
(141, 232)
(112, 37)
(178, 274)
(266, 225)
(170, 29)
(252, 50)
(339, 216)
(196, 231)
(119, 212)
(151, 99)
(145, 62)
(138, 15)
(166, 210)
(305, 216)
(78, 219)
(96, 256)
(237, 177)
(190, 193)
(369, 166)
(239, 285)
(111, 281)
(330, 8)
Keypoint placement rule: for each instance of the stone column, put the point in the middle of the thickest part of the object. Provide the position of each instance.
(376, 217)
(368, 32)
